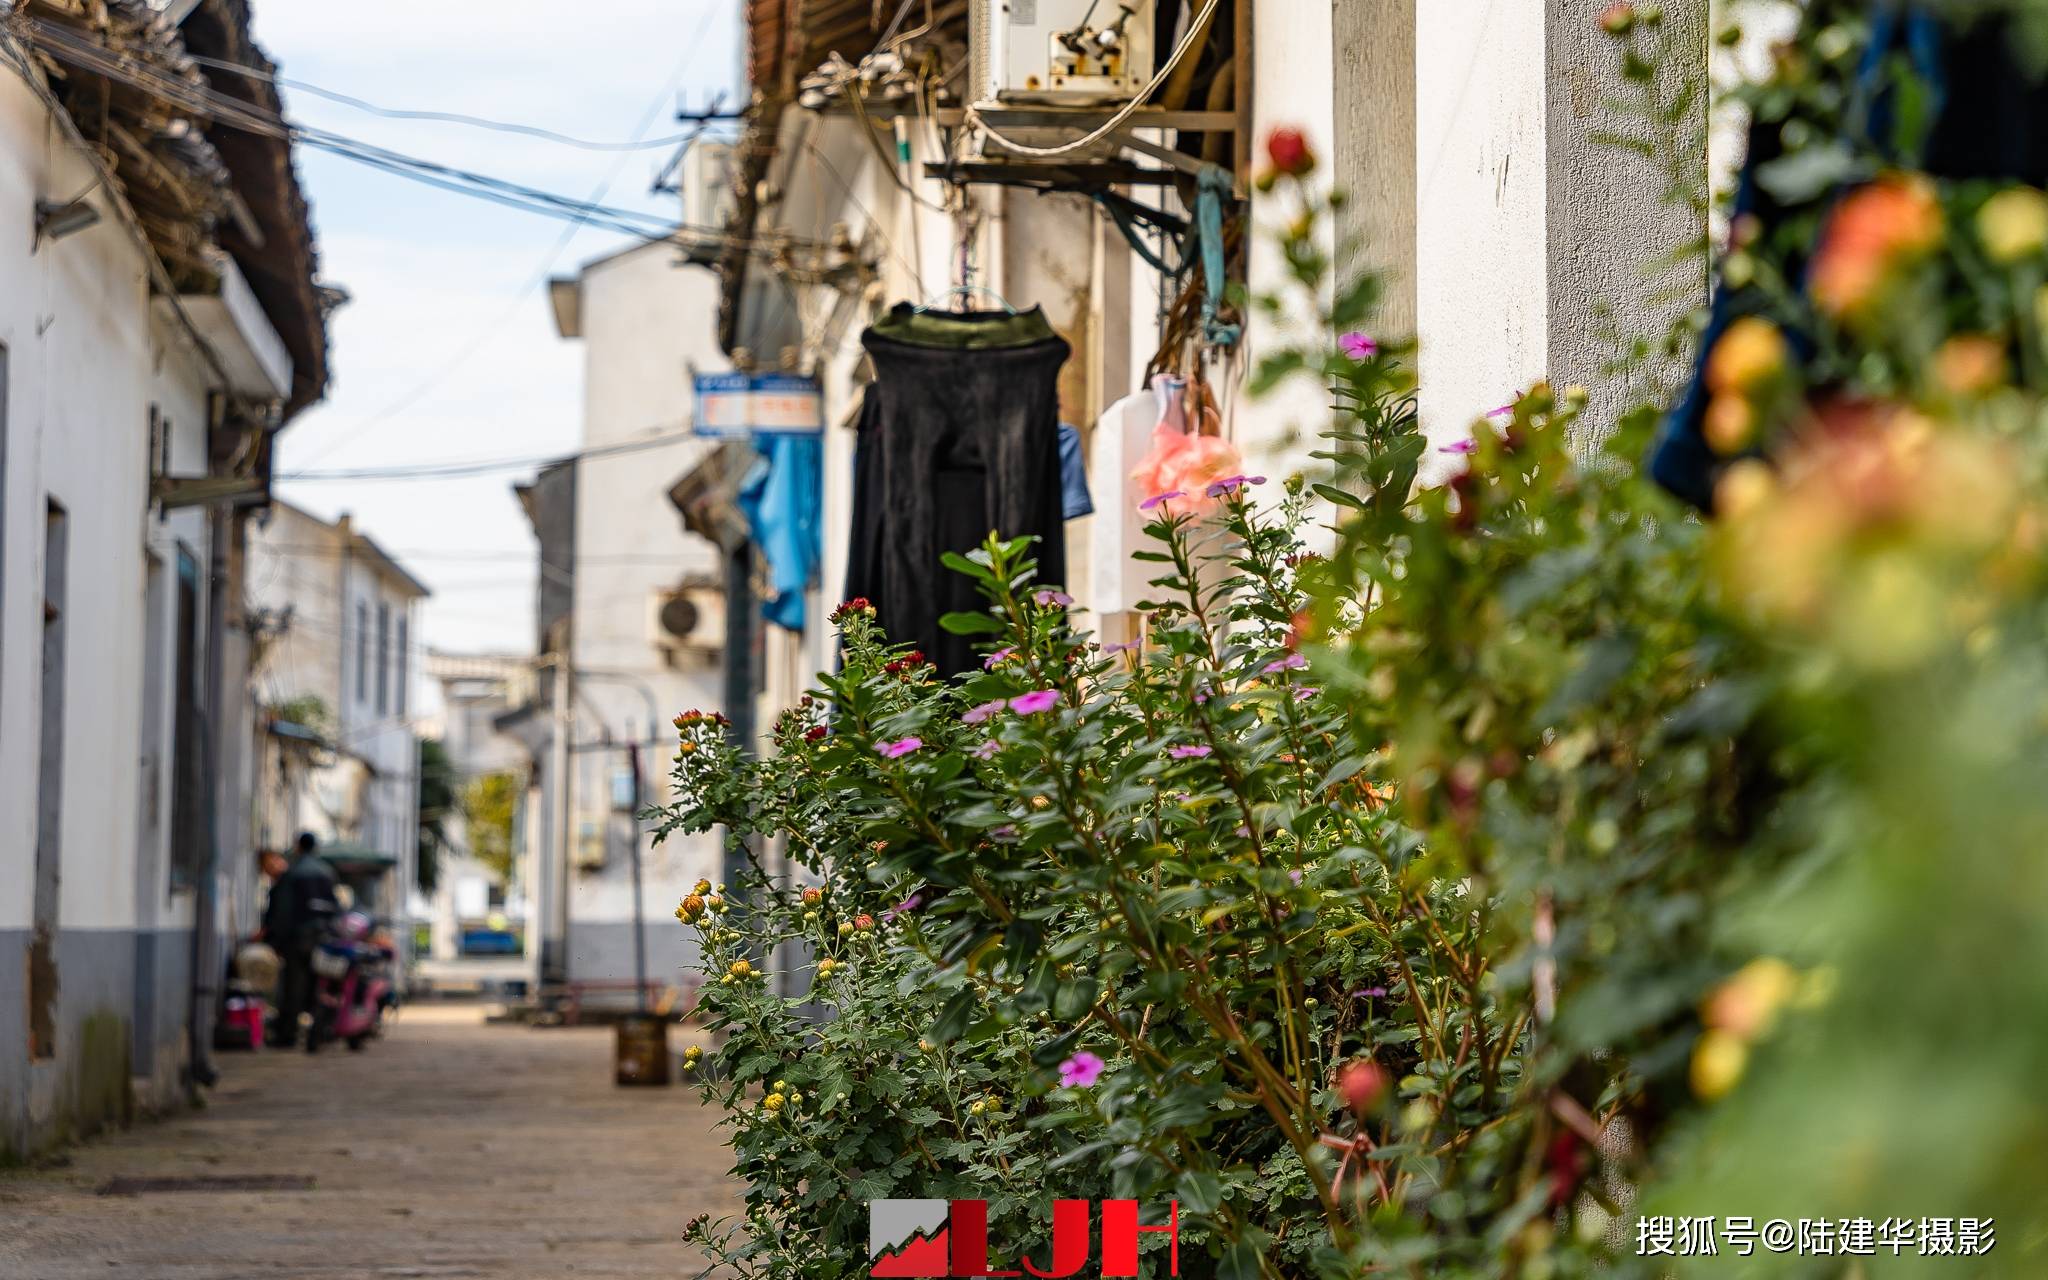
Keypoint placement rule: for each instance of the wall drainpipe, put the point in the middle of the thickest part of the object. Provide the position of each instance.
(207, 963)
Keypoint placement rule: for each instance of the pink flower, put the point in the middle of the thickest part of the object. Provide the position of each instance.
(1292, 662)
(987, 749)
(975, 715)
(1181, 465)
(1000, 656)
(1158, 498)
(909, 904)
(1051, 597)
(1305, 692)
(1081, 1070)
(1358, 346)
(1124, 647)
(1509, 407)
(1467, 445)
(1004, 832)
(1190, 753)
(1231, 484)
(1030, 704)
(899, 748)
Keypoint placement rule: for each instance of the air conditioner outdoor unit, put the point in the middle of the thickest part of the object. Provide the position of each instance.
(1060, 52)
(687, 620)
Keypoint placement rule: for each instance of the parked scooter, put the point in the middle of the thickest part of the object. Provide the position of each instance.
(352, 987)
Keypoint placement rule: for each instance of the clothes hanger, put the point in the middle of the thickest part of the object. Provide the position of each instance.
(964, 291)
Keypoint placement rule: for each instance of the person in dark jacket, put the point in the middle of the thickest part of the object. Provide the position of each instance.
(301, 902)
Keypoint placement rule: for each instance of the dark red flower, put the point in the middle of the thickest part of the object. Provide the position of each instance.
(1289, 151)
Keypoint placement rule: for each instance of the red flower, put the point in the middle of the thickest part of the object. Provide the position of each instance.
(815, 733)
(1617, 18)
(1289, 152)
(1362, 1083)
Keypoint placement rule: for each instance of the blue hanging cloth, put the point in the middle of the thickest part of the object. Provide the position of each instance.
(1075, 501)
(781, 497)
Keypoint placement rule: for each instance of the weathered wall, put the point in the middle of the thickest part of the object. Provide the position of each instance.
(1609, 223)
(87, 361)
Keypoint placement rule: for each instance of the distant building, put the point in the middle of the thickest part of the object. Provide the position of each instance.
(630, 603)
(160, 322)
(476, 691)
(338, 620)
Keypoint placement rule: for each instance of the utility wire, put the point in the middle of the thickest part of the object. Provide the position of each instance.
(235, 113)
(484, 334)
(459, 469)
(637, 143)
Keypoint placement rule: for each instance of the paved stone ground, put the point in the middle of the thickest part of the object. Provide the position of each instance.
(449, 1148)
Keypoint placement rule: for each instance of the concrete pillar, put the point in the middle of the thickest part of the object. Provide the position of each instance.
(1532, 239)
(1610, 225)
(1373, 153)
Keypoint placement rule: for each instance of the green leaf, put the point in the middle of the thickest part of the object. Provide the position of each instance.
(953, 1019)
(1076, 997)
(1200, 1190)
(1243, 1259)
(971, 624)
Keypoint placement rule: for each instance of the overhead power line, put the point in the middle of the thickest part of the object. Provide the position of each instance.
(452, 117)
(483, 335)
(456, 470)
(224, 109)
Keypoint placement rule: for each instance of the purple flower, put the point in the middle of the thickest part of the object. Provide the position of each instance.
(1467, 445)
(1305, 692)
(1369, 993)
(1081, 1070)
(1295, 875)
(1359, 346)
(909, 904)
(1000, 656)
(1292, 662)
(1509, 407)
(986, 749)
(1231, 484)
(1191, 753)
(1158, 498)
(1030, 704)
(899, 748)
(975, 715)
(1004, 832)
(1123, 647)
(1051, 597)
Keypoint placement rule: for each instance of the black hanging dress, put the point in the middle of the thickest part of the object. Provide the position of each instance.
(959, 436)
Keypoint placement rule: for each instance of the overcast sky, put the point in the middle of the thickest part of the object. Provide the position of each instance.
(448, 351)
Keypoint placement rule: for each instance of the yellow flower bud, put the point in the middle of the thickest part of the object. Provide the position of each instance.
(2013, 224)
(1718, 1059)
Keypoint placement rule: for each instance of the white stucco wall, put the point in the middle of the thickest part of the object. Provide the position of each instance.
(1292, 79)
(1480, 255)
(648, 323)
(88, 360)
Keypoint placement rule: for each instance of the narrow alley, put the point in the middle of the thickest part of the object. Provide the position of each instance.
(527, 1161)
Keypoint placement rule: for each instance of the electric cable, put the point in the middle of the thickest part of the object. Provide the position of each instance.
(483, 335)
(453, 117)
(468, 467)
